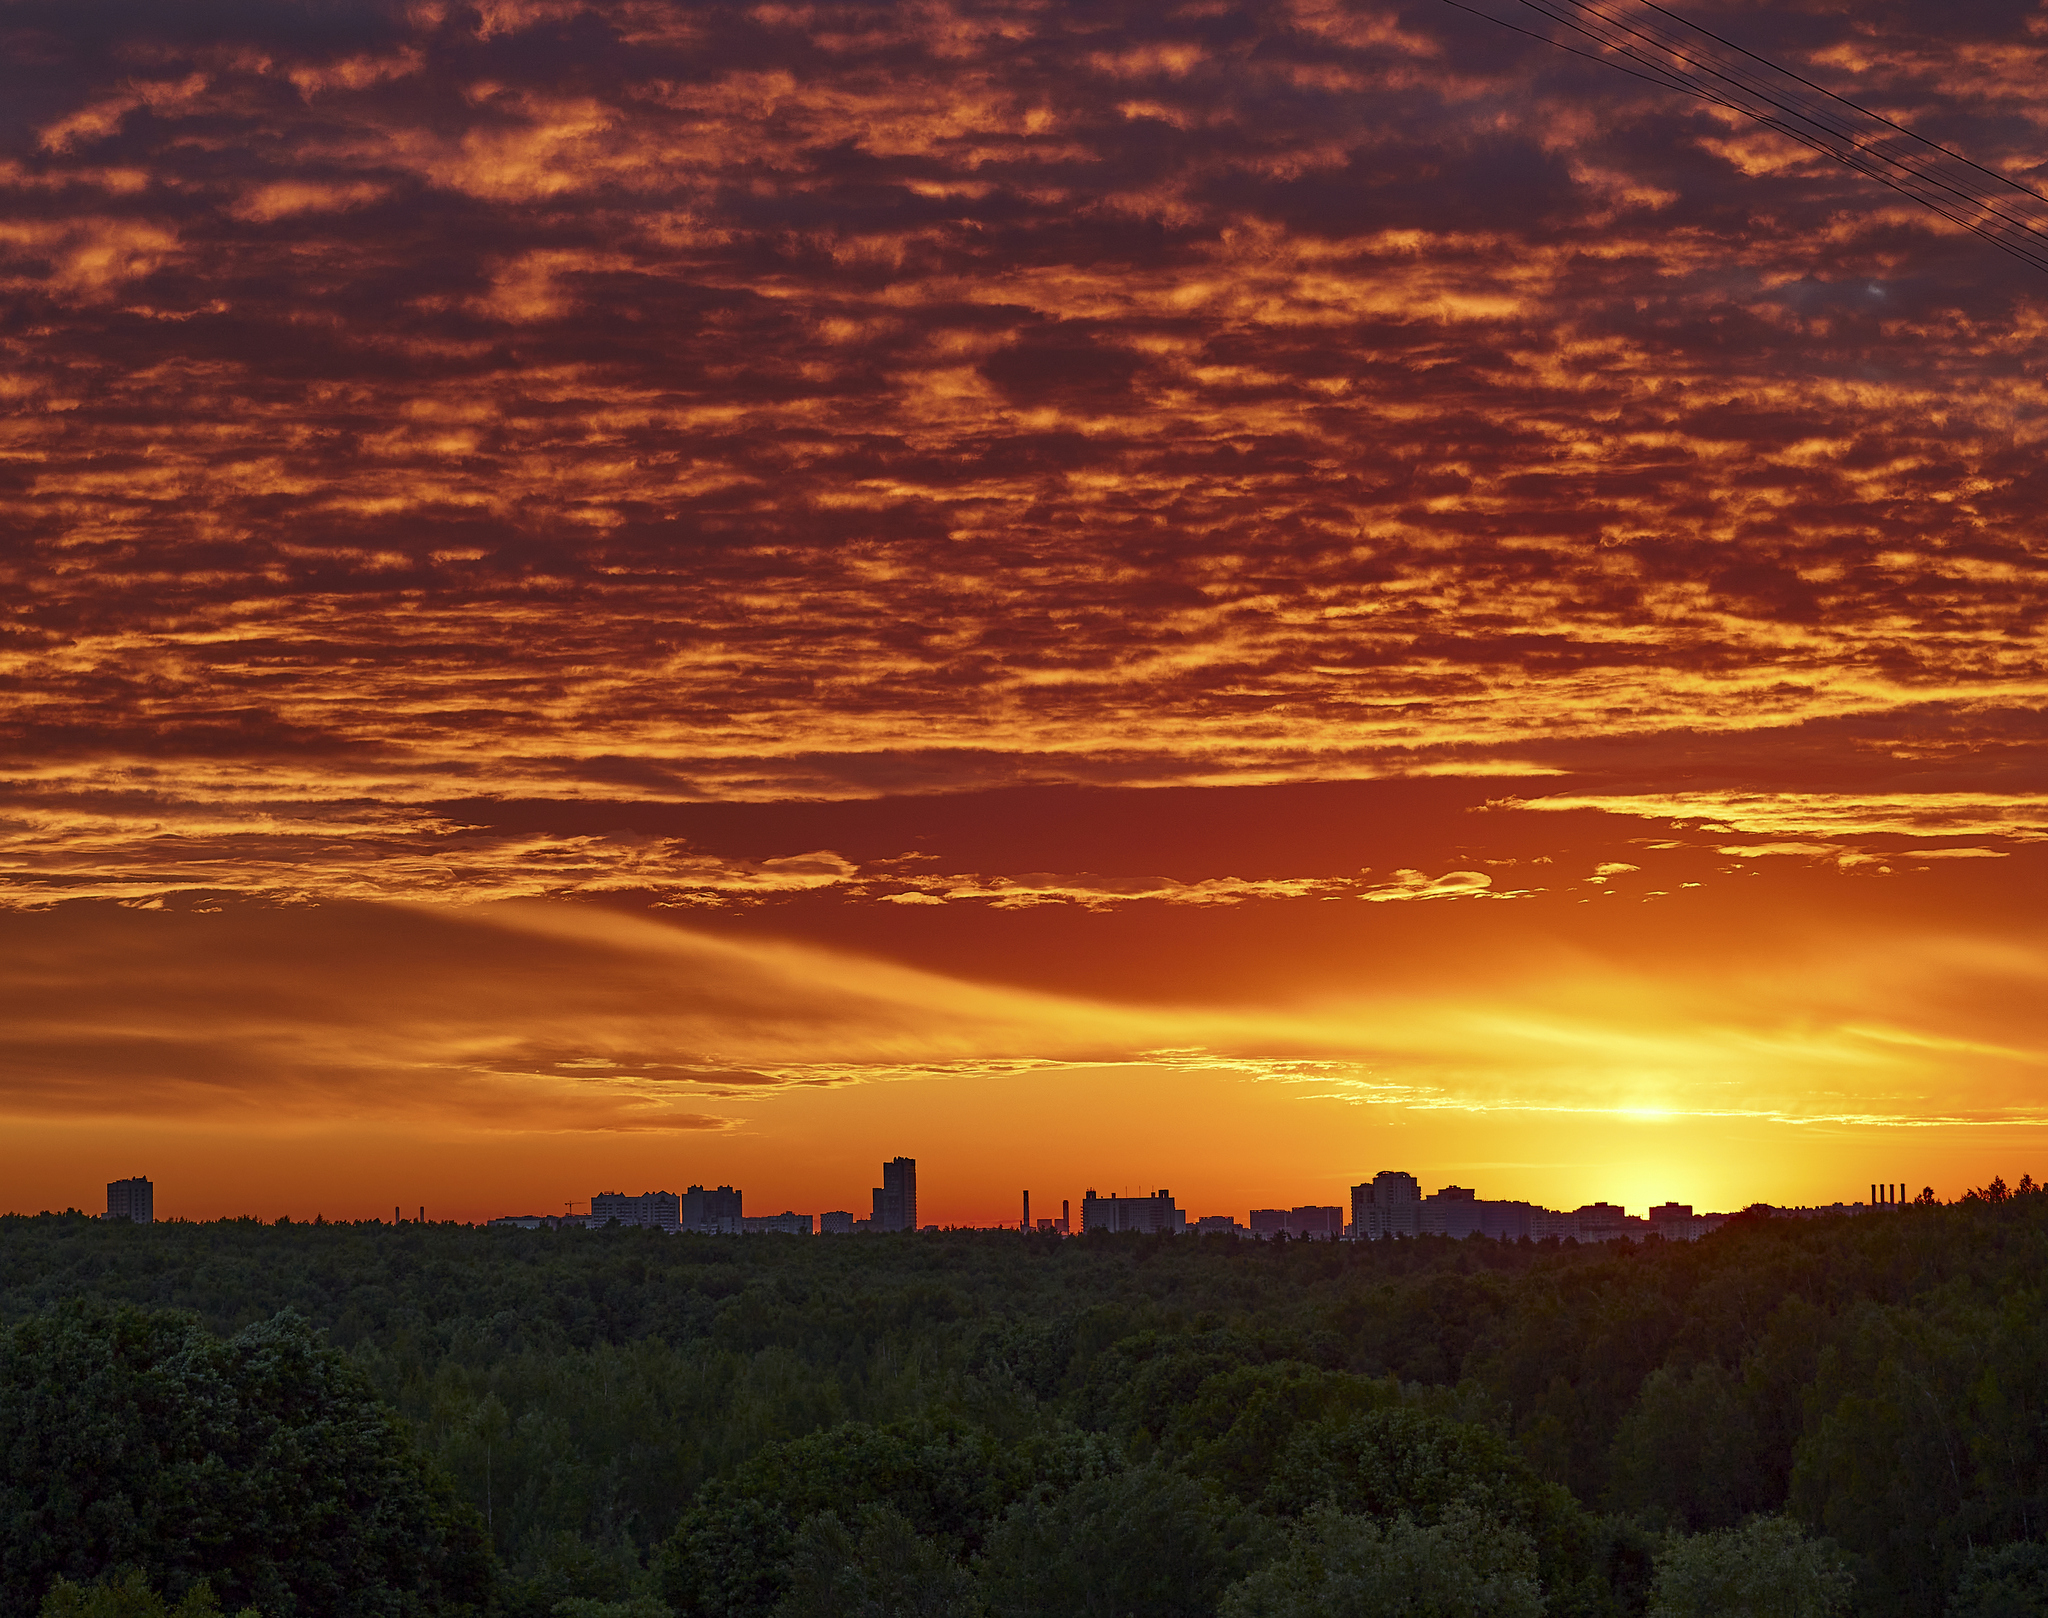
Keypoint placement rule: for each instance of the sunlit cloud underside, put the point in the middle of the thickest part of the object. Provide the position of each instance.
(535, 1017)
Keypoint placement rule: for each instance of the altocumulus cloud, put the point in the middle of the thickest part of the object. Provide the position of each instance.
(416, 403)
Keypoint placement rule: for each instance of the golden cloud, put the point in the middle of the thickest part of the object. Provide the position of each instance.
(539, 1018)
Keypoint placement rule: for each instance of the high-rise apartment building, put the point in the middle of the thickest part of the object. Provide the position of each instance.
(660, 1210)
(712, 1212)
(654, 1210)
(1390, 1204)
(132, 1199)
(1454, 1211)
(896, 1196)
(606, 1206)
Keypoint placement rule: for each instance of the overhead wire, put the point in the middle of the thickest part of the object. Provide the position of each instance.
(2002, 179)
(1794, 105)
(1674, 58)
(1837, 132)
(1861, 156)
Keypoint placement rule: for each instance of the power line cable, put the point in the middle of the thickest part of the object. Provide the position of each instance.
(1792, 105)
(2002, 179)
(1830, 123)
(1673, 60)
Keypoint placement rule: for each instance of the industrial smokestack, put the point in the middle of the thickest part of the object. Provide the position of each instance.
(1027, 1210)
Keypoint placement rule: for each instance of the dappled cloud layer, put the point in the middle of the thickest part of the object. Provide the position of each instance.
(1158, 849)
(424, 404)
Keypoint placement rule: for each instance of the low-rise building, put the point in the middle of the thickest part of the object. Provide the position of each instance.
(782, 1224)
(1676, 1222)
(1308, 1223)
(1155, 1214)
(1219, 1225)
(1315, 1223)
(839, 1222)
(545, 1222)
(1505, 1221)
(1266, 1223)
(1604, 1222)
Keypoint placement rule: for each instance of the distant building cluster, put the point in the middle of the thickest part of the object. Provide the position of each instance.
(699, 1211)
(1392, 1204)
(1389, 1205)
(717, 1211)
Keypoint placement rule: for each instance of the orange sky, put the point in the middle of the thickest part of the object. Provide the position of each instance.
(1225, 596)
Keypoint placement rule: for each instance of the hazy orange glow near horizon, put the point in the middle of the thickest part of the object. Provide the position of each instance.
(1221, 596)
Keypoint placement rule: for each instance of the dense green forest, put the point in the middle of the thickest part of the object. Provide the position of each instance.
(1791, 1416)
